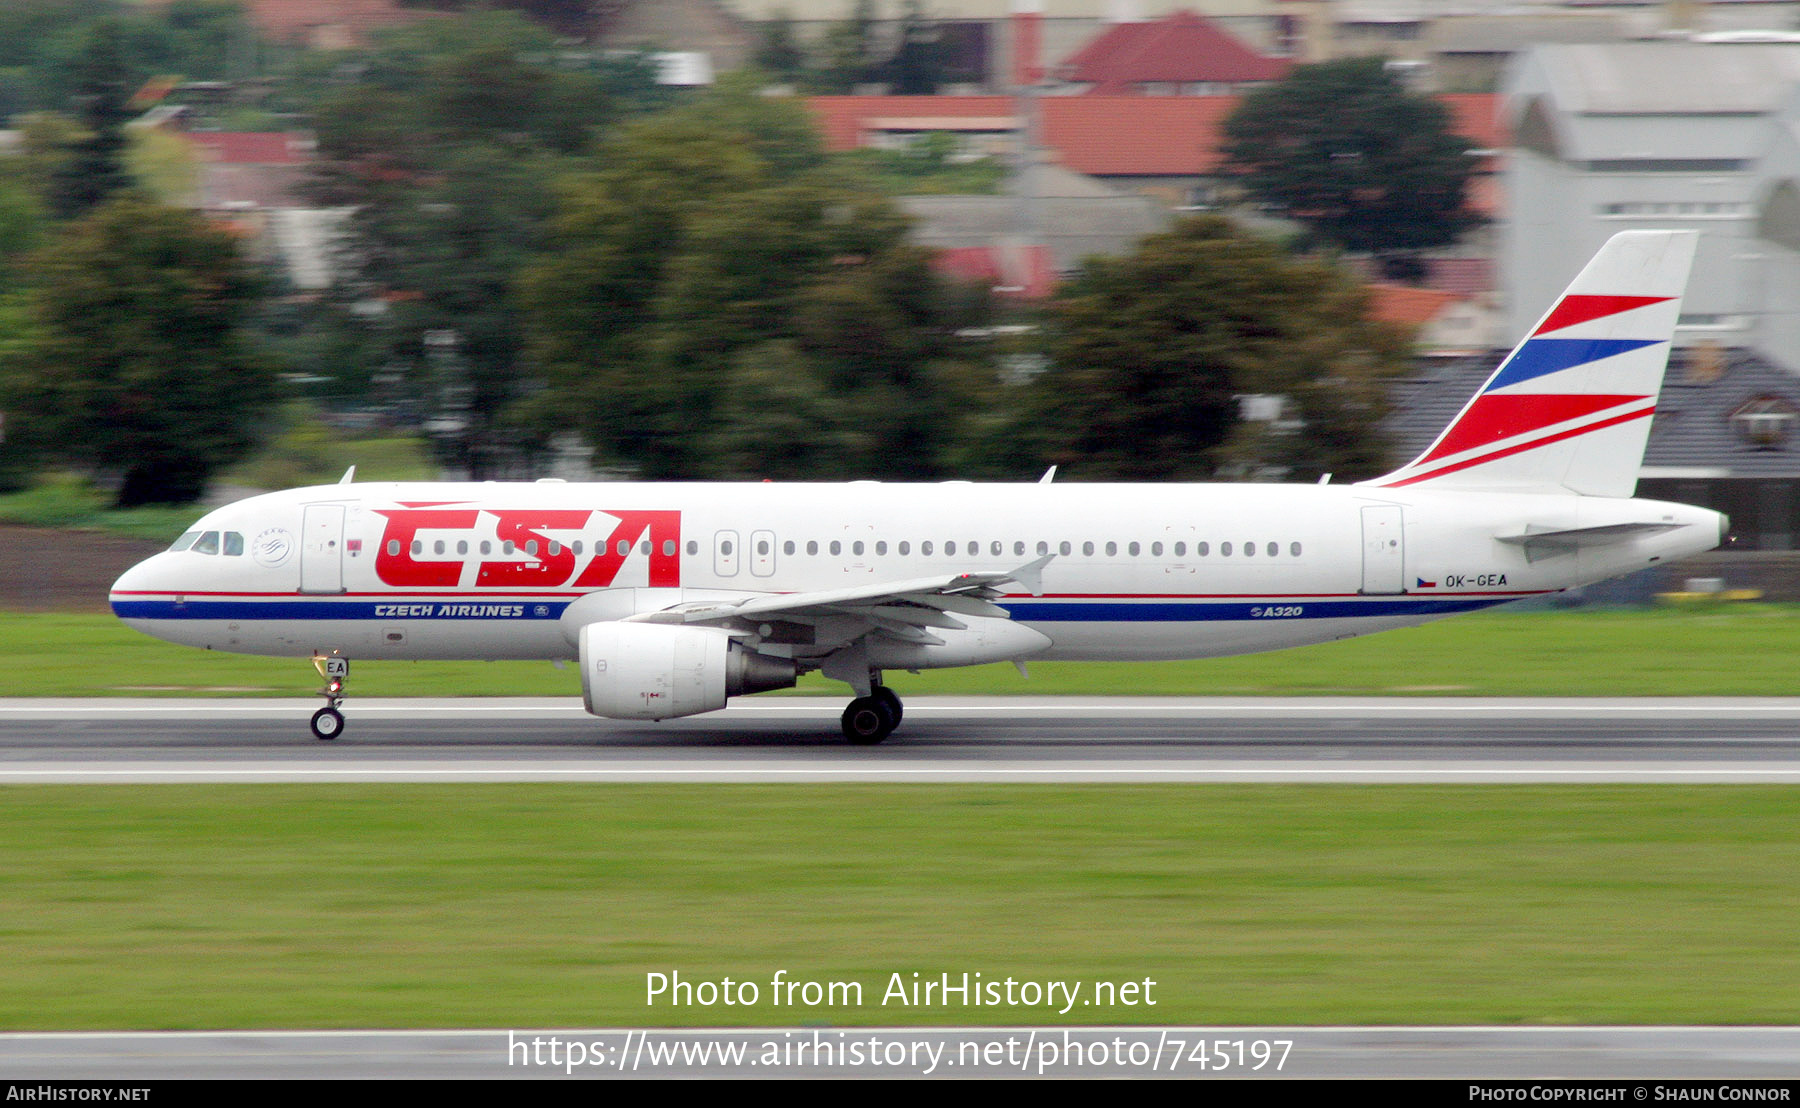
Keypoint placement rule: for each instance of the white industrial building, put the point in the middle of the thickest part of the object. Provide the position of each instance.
(1682, 134)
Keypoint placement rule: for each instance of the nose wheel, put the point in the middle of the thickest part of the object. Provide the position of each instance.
(328, 722)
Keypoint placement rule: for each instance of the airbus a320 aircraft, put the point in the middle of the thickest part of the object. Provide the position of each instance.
(674, 597)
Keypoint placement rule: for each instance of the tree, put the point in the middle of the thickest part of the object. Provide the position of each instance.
(1343, 148)
(96, 167)
(134, 358)
(443, 152)
(1149, 353)
(712, 267)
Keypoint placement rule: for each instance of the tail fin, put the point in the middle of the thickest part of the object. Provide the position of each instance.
(1569, 409)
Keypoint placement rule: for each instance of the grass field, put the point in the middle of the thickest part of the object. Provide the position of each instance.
(532, 906)
(1746, 650)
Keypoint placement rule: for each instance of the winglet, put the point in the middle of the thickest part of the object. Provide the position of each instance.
(349, 476)
(1031, 575)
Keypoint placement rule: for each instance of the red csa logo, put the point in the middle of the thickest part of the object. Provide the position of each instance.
(552, 566)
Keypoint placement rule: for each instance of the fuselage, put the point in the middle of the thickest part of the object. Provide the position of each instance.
(1136, 572)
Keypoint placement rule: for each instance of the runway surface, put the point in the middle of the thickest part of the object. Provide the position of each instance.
(1633, 1055)
(987, 739)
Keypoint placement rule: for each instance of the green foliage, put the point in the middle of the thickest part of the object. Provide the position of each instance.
(443, 148)
(927, 171)
(70, 500)
(95, 168)
(1343, 148)
(1149, 352)
(136, 360)
(41, 42)
(309, 452)
(708, 246)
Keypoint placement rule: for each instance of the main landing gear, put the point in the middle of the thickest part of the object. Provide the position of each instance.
(869, 719)
(328, 722)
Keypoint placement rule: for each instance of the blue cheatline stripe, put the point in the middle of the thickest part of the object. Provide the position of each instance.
(1262, 611)
(1538, 357)
(1183, 611)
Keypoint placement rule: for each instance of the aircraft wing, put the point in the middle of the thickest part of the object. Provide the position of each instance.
(901, 608)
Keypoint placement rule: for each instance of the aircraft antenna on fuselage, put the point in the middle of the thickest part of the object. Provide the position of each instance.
(1049, 476)
(349, 476)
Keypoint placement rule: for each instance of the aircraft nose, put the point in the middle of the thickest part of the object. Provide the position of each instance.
(137, 579)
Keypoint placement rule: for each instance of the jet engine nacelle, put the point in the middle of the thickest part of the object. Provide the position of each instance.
(660, 671)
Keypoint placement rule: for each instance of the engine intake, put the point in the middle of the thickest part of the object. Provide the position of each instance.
(659, 671)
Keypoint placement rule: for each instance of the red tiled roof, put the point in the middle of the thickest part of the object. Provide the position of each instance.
(1126, 136)
(1181, 47)
(251, 147)
(1025, 273)
(1106, 136)
(1476, 117)
(298, 20)
(1406, 306)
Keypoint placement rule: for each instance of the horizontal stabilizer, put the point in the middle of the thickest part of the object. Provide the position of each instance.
(1541, 543)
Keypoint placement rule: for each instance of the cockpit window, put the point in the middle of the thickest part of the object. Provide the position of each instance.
(234, 544)
(208, 543)
(184, 541)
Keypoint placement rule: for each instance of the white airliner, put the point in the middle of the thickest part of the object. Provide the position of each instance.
(674, 597)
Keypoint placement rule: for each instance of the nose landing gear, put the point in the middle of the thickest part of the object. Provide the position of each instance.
(328, 722)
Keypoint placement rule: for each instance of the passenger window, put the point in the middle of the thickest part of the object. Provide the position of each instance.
(950, 548)
(644, 548)
(669, 548)
(925, 547)
(1294, 549)
(812, 546)
(234, 544)
(555, 548)
(1112, 549)
(1274, 549)
(905, 548)
(418, 547)
(762, 548)
(693, 547)
(507, 547)
(1249, 550)
(186, 541)
(486, 547)
(462, 547)
(438, 547)
(575, 547)
(856, 548)
(1087, 549)
(1064, 547)
(881, 547)
(1133, 548)
(1224, 549)
(996, 549)
(1043, 548)
(1201, 549)
(1018, 549)
(394, 548)
(836, 547)
(724, 546)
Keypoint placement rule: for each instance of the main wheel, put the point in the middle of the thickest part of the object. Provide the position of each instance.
(327, 724)
(892, 702)
(868, 721)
